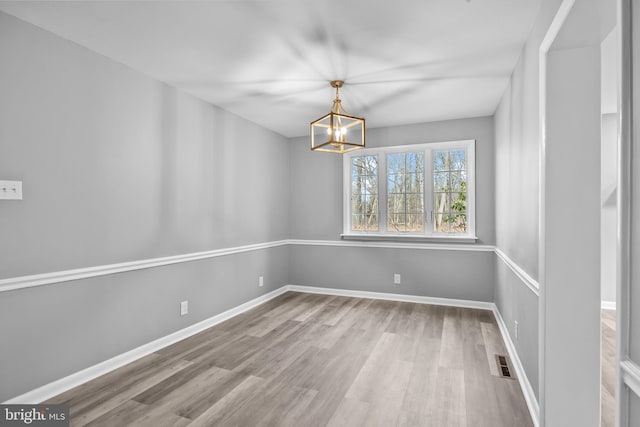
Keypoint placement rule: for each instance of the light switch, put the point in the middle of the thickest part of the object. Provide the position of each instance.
(184, 308)
(10, 190)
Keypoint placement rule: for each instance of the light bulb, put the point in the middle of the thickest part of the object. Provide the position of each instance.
(343, 134)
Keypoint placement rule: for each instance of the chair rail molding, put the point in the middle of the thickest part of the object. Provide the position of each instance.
(29, 281)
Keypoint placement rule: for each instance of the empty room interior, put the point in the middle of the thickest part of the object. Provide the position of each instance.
(296, 213)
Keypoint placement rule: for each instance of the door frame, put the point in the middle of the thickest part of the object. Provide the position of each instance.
(628, 372)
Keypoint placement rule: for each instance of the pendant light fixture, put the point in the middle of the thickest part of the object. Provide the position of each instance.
(337, 132)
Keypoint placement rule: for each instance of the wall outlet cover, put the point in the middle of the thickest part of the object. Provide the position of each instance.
(184, 308)
(10, 190)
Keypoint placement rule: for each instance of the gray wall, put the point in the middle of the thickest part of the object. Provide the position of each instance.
(608, 204)
(466, 275)
(634, 410)
(517, 152)
(571, 288)
(316, 214)
(53, 331)
(632, 314)
(609, 66)
(316, 178)
(517, 143)
(119, 167)
(517, 302)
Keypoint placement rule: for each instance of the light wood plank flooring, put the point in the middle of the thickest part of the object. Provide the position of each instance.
(608, 368)
(316, 360)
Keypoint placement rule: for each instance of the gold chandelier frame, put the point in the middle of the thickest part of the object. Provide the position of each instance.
(337, 131)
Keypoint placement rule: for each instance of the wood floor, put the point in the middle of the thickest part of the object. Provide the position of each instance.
(316, 360)
(608, 368)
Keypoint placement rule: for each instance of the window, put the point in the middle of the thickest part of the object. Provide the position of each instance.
(425, 190)
(364, 193)
(405, 192)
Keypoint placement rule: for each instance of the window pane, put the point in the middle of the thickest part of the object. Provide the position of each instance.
(415, 222)
(414, 182)
(458, 181)
(415, 203)
(364, 204)
(371, 205)
(450, 191)
(356, 204)
(459, 224)
(371, 222)
(405, 191)
(364, 193)
(440, 161)
(396, 222)
(396, 203)
(457, 158)
(440, 181)
(395, 163)
(440, 224)
(395, 183)
(441, 202)
(364, 165)
(364, 184)
(458, 203)
(414, 162)
(357, 222)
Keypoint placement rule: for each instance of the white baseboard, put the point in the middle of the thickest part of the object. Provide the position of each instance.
(525, 385)
(54, 388)
(608, 305)
(392, 297)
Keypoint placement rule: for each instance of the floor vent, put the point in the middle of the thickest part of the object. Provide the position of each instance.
(504, 366)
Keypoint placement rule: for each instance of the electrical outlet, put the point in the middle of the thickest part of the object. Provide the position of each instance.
(184, 308)
(396, 279)
(10, 190)
(516, 330)
(260, 281)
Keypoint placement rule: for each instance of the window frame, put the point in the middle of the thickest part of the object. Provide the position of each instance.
(428, 234)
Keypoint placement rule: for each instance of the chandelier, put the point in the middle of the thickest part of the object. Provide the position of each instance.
(337, 131)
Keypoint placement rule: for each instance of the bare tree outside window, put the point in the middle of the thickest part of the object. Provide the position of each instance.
(450, 191)
(364, 193)
(405, 192)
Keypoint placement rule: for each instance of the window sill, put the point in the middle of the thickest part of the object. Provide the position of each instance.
(369, 237)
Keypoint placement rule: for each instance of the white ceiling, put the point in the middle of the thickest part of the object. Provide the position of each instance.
(270, 61)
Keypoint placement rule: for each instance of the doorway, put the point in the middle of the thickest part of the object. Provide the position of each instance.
(609, 71)
(572, 211)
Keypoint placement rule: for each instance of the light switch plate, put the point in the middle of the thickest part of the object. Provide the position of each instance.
(184, 308)
(10, 190)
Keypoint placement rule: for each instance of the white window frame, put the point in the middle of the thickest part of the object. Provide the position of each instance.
(429, 235)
